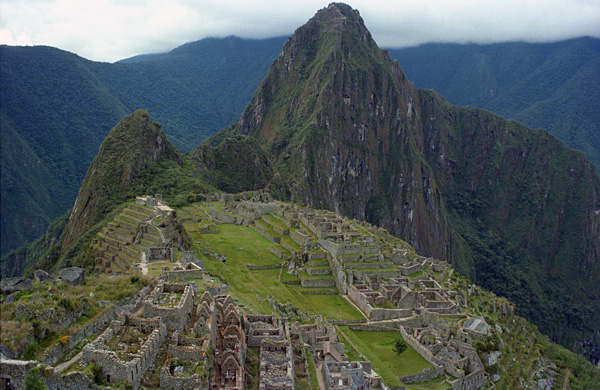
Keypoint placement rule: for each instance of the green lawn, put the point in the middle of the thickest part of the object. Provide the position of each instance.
(242, 246)
(377, 347)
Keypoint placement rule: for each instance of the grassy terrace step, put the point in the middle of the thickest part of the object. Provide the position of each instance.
(318, 263)
(274, 222)
(126, 258)
(306, 276)
(374, 265)
(136, 215)
(109, 239)
(148, 243)
(288, 240)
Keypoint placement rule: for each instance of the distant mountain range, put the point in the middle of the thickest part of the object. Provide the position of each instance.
(57, 107)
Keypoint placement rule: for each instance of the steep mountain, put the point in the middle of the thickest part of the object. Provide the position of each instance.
(510, 206)
(56, 108)
(129, 148)
(549, 85)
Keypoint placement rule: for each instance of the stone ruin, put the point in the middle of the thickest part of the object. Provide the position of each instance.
(119, 360)
(263, 327)
(350, 375)
(160, 253)
(230, 347)
(276, 365)
(173, 303)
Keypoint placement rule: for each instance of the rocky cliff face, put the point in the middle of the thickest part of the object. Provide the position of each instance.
(128, 149)
(338, 117)
(348, 132)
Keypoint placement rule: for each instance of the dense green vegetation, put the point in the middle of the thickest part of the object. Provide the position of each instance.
(553, 86)
(56, 108)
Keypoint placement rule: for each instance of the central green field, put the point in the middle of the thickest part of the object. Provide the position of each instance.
(243, 246)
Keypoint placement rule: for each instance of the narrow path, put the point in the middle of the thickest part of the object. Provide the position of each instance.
(567, 382)
(319, 369)
(61, 367)
(144, 263)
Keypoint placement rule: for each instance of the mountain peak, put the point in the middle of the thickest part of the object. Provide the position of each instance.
(133, 144)
(337, 13)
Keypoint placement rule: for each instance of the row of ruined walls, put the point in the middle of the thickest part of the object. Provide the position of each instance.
(115, 369)
(375, 314)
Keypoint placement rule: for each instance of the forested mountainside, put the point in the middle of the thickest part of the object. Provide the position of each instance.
(56, 108)
(553, 86)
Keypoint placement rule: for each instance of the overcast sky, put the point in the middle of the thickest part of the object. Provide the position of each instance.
(109, 30)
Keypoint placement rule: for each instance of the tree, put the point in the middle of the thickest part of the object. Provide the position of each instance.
(399, 346)
(34, 380)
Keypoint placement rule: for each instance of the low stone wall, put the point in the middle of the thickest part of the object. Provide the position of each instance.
(316, 255)
(298, 237)
(426, 375)
(266, 235)
(318, 271)
(317, 282)
(59, 349)
(185, 274)
(167, 381)
(279, 253)
(71, 381)
(259, 267)
(287, 246)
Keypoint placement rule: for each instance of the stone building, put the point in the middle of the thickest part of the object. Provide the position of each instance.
(263, 327)
(173, 302)
(230, 346)
(350, 376)
(276, 365)
(126, 349)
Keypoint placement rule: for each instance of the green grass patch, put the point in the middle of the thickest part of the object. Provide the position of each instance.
(377, 347)
(252, 287)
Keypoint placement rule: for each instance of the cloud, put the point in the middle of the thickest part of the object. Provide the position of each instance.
(108, 30)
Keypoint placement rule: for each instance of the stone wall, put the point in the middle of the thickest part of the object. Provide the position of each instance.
(113, 368)
(175, 318)
(58, 350)
(375, 314)
(279, 253)
(421, 350)
(71, 381)
(15, 371)
(426, 375)
(317, 282)
(299, 237)
(167, 381)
